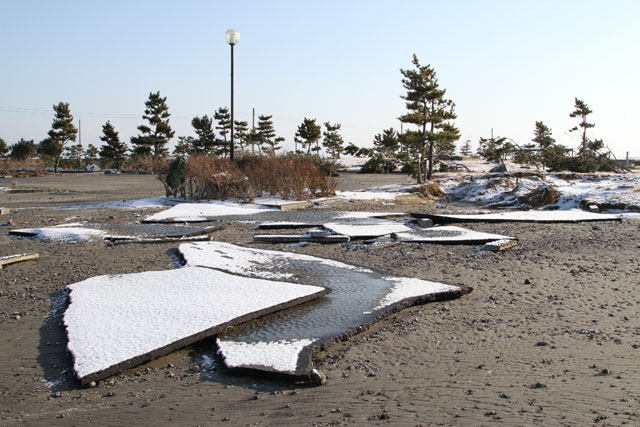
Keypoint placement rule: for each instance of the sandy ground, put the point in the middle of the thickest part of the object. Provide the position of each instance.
(549, 336)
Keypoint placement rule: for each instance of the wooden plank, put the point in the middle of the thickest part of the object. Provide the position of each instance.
(11, 259)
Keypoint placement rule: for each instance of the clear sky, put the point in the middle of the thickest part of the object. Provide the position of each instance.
(506, 64)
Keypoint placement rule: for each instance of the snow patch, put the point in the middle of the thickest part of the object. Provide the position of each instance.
(278, 356)
(407, 287)
(185, 212)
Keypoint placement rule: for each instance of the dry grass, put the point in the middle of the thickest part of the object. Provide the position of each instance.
(25, 168)
(290, 177)
(431, 191)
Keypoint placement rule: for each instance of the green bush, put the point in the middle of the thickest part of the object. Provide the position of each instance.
(379, 164)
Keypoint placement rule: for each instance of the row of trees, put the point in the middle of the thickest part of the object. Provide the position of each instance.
(212, 137)
(546, 152)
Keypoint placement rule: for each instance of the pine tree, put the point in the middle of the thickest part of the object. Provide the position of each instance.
(494, 149)
(466, 150)
(75, 153)
(154, 137)
(185, 146)
(223, 117)
(582, 110)
(445, 139)
(4, 148)
(62, 131)
(241, 133)
(91, 154)
(427, 107)
(206, 140)
(333, 141)
(387, 142)
(266, 134)
(23, 150)
(308, 133)
(113, 151)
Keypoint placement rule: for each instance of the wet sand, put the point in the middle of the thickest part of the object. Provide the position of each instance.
(549, 336)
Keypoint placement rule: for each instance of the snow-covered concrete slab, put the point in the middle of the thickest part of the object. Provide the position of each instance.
(62, 233)
(116, 322)
(205, 211)
(365, 228)
(359, 296)
(573, 215)
(447, 235)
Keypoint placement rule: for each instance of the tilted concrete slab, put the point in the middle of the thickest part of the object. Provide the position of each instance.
(116, 322)
(285, 344)
(574, 215)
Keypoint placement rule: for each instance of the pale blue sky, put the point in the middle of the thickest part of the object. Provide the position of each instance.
(505, 64)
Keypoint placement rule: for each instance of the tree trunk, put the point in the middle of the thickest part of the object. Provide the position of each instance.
(55, 169)
(430, 173)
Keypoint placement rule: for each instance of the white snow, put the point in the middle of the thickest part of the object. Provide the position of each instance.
(278, 356)
(367, 230)
(539, 216)
(448, 233)
(383, 192)
(63, 233)
(114, 318)
(205, 211)
(242, 260)
(606, 189)
(407, 287)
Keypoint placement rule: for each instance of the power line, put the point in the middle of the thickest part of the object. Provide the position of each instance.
(21, 110)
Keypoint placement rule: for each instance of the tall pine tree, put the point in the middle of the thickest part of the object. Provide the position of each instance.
(154, 137)
(113, 151)
(333, 141)
(241, 133)
(429, 110)
(267, 135)
(386, 142)
(62, 131)
(206, 140)
(223, 117)
(308, 133)
(581, 111)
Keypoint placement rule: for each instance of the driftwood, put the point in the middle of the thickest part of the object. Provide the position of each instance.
(11, 259)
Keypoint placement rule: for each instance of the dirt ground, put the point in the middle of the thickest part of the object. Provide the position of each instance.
(550, 334)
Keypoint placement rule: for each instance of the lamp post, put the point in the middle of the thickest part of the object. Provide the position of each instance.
(232, 37)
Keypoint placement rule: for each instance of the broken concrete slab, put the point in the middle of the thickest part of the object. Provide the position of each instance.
(300, 238)
(64, 233)
(358, 298)
(567, 216)
(205, 211)
(116, 322)
(365, 228)
(447, 235)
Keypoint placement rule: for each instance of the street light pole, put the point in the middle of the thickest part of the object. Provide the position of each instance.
(232, 37)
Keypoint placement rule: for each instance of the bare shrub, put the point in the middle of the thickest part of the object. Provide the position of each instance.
(146, 164)
(540, 197)
(23, 168)
(289, 177)
(431, 190)
(209, 177)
